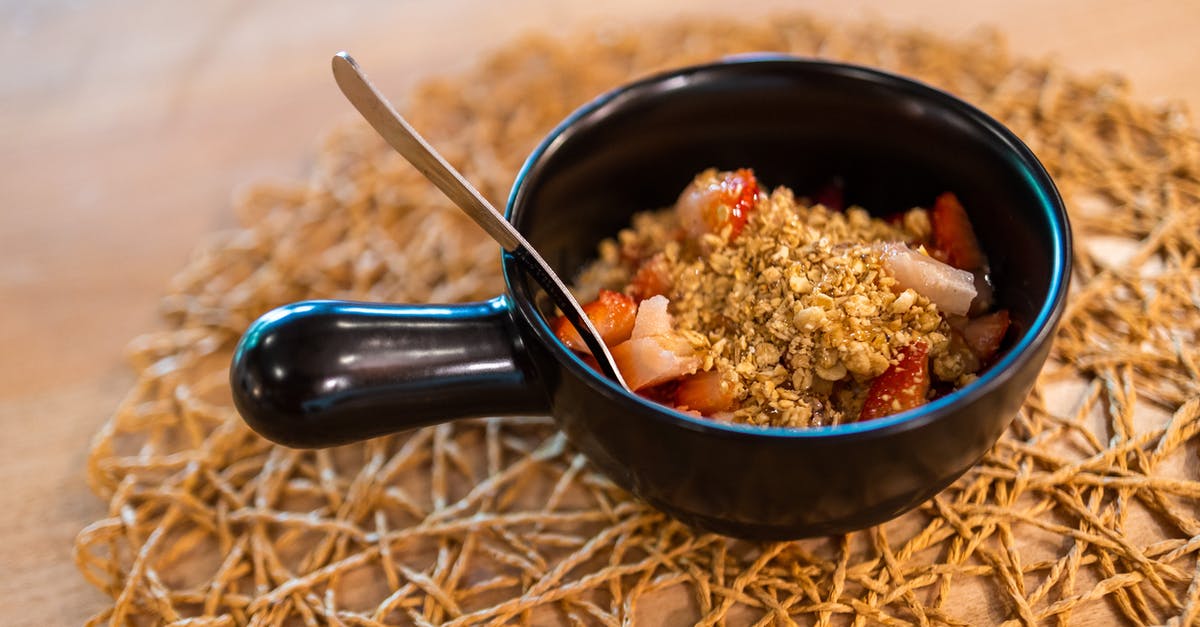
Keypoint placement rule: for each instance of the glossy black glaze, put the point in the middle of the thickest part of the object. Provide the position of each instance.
(320, 373)
(894, 142)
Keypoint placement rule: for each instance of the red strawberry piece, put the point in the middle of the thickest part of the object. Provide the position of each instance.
(705, 392)
(611, 313)
(904, 385)
(985, 333)
(954, 240)
(716, 199)
(663, 393)
(651, 279)
(739, 190)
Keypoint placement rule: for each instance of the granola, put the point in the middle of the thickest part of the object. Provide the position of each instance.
(791, 303)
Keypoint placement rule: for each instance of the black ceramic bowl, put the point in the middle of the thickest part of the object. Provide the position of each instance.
(324, 373)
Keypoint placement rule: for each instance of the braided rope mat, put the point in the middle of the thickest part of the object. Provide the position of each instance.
(1085, 511)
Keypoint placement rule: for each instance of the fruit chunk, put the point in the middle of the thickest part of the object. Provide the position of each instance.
(663, 393)
(954, 240)
(904, 385)
(613, 315)
(951, 289)
(984, 334)
(654, 353)
(705, 392)
(652, 318)
(651, 279)
(648, 361)
(715, 199)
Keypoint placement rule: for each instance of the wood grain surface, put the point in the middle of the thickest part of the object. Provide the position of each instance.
(126, 125)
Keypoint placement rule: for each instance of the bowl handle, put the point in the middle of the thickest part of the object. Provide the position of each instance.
(322, 373)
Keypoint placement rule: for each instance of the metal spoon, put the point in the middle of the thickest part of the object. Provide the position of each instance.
(396, 131)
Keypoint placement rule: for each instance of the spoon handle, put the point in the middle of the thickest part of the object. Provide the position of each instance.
(394, 129)
(397, 132)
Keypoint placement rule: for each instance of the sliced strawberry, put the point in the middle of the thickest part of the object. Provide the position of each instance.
(904, 385)
(954, 240)
(651, 279)
(613, 315)
(984, 334)
(716, 199)
(649, 361)
(705, 392)
(663, 393)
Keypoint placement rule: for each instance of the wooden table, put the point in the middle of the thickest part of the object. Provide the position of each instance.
(125, 126)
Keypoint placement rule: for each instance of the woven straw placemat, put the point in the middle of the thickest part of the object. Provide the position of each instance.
(1086, 511)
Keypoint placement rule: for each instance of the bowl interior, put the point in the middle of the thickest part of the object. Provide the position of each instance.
(895, 143)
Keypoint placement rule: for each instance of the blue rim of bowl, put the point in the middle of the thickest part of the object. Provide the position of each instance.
(1038, 333)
